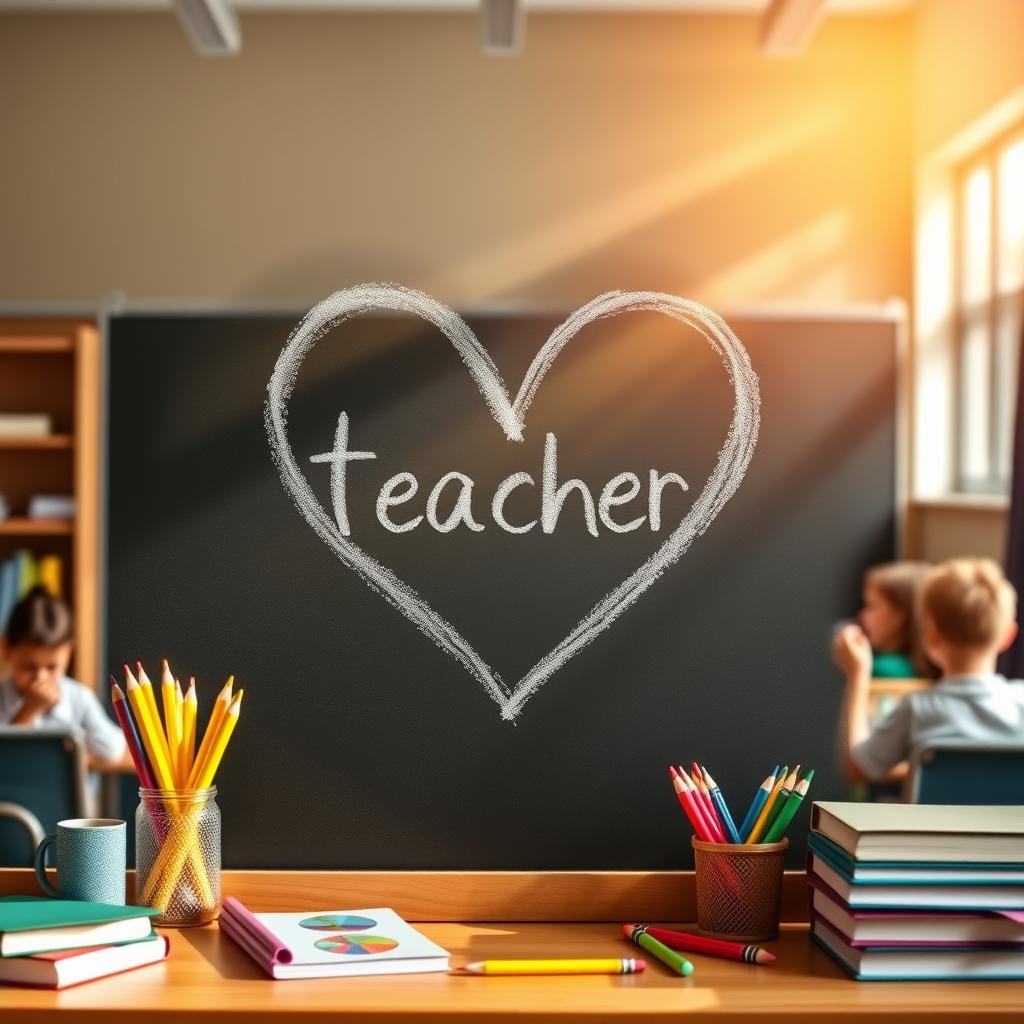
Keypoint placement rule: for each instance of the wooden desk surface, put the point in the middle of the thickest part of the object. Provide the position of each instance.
(207, 978)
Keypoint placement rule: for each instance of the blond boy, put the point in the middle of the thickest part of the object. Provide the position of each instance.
(968, 617)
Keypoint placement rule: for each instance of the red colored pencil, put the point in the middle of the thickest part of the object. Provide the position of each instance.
(690, 943)
(705, 796)
(715, 830)
(689, 805)
(713, 834)
(131, 736)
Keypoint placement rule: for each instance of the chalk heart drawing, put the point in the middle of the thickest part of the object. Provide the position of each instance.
(510, 416)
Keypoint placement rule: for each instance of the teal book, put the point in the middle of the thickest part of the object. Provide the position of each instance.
(34, 924)
(921, 872)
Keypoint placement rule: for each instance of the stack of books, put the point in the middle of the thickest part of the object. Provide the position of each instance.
(913, 892)
(57, 943)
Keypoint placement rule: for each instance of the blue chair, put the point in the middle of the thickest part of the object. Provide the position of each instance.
(966, 772)
(42, 780)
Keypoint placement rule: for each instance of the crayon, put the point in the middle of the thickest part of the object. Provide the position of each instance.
(669, 957)
(688, 942)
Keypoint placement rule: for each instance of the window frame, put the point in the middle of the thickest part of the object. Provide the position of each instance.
(989, 313)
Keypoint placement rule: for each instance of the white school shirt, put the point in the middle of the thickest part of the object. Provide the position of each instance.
(78, 709)
(987, 709)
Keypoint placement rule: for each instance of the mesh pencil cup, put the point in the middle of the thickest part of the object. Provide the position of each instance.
(739, 889)
(177, 855)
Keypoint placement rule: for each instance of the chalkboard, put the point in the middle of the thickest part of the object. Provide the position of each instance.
(364, 745)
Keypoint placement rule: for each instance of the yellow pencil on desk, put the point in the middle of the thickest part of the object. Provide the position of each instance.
(607, 965)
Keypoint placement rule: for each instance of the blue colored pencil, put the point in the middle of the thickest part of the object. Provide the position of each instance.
(763, 792)
(722, 806)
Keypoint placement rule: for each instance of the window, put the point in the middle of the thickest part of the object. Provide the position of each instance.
(989, 311)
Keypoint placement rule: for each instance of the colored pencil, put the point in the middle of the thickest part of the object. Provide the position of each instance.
(685, 799)
(188, 729)
(688, 942)
(713, 833)
(171, 719)
(157, 758)
(619, 965)
(762, 794)
(220, 705)
(718, 798)
(131, 735)
(171, 859)
(148, 694)
(669, 957)
(796, 798)
(757, 829)
(698, 781)
(780, 801)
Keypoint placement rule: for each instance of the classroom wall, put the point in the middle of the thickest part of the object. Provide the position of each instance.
(617, 151)
(968, 85)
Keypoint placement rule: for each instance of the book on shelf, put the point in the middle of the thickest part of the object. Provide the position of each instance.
(25, 424)
(68, 967)
(22, 571)
(51, 506)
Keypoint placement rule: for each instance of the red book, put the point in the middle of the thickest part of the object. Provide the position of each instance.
(68, 967)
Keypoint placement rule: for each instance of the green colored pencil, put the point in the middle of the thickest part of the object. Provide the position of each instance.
(796, 798)
(780, 801)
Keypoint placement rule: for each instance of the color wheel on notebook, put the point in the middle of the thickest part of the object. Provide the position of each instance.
(334, 922)
(355, 945)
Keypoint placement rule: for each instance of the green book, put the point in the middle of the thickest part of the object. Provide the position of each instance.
(34, 924)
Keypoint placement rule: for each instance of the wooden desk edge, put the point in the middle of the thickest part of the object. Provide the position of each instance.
(471, 895)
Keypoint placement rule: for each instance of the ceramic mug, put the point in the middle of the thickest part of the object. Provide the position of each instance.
(90, 860)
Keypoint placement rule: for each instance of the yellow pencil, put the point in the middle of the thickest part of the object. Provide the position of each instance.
(150, 697)
(157, 758)
(220, 706)
(171, 859)
(170, 716)
(179, 725)
(188, 732)
(760, 823)
(227, 727)
(618, 965)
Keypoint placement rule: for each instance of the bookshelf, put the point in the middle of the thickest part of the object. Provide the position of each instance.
(53, 366)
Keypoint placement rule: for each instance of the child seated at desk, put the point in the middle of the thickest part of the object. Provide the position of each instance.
(968, 617)
(889, 620)
(37, 690)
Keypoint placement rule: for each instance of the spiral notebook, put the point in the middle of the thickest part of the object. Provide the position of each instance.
(333, 943)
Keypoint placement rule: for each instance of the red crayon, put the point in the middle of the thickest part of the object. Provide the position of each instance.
(690, 943)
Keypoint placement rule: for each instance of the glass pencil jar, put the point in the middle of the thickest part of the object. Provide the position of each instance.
(177, 855)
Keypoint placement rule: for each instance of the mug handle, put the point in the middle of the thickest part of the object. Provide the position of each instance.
(44, 882)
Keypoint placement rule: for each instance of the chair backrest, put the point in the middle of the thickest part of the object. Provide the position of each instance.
(43, 772)
(965, 772)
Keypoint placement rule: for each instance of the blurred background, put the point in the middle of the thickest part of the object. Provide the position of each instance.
(845, 161)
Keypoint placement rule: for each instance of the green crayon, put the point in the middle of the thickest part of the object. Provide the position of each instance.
(669, 957)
